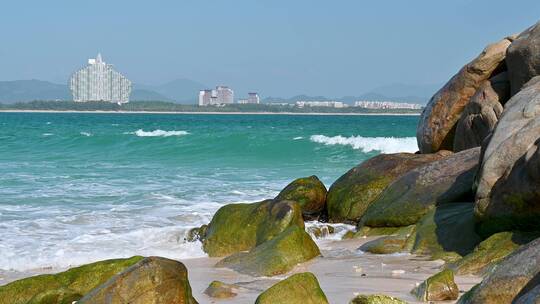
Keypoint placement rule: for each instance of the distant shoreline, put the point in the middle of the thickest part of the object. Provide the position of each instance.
(211, 113)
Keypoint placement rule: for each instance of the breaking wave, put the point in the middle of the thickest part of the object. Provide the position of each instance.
(159, 133)
(368, 144)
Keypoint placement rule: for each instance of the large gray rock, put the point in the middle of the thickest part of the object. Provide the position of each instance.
(508, 193)
(523, 58)
(350, 195)
(411, 196)
(438, 120)
(513, 277)
(482, 113)
(153, 280)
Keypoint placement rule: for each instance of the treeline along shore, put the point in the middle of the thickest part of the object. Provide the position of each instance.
(469, 199)
(169, 107)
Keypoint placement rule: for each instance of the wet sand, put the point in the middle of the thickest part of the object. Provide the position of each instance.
(342, 271)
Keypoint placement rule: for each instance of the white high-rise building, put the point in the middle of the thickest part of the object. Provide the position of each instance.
(253, 98)
(99, 82)
(221, 95)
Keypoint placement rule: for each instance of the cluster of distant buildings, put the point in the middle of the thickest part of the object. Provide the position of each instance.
(98, 81)
(223, 95)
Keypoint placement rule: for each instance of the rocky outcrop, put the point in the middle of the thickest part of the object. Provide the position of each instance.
(530, 297)
(401, 241)
(508, 195)
(221, 290)
(482, 113)
(376, 299)
(489, 252)
(63, 287)
(196, 234)
(152, 280)
(241, 227)
(300, 288)
(309, 193)
(447, 232)
(350, 195)
(513, 277)
(438, 120)
(412, 195)
(523, 58)
(439, 287)
(276, 256)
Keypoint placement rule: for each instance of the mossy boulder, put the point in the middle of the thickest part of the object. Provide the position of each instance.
(376, 299)
(153, 280)
(514, 276)
(63, 287)
(401, 241)
(439, 287)
(447, 232)
(309, 193)
(350, 195)
(276, 256)
(321, 231)
(196, 234)
(241, 227)
(300, 288)
(412, 195)
(220, 290)
(489, 252)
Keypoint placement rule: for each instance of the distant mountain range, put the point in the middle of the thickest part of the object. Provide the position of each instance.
(185, 91)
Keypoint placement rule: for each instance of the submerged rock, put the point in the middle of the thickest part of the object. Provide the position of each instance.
(514, 276)
(63, 287)
(412, 195)
(376, 299)
(321, 232)
(152, 280)
(447, 232)
(401, 241)
(438, 120)
(439, 287)
(509, 177)
(276, 256)
(489, 252)
(482, 113)
(221, 290)
(309, 193)
(350, 195)
(196, 234)
(300, 288)
(240, 227)
(523, 58)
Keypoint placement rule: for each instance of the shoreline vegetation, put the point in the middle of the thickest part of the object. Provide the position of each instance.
(457, 221)
(161, 107)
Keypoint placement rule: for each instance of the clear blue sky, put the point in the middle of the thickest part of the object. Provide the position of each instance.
(277, 47)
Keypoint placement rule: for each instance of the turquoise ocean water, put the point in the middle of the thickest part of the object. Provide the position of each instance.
(76, 188)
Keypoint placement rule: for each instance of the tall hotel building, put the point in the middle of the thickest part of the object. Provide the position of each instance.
(99, 82)
(221, 95)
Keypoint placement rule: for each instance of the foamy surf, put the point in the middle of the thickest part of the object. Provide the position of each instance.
(159, 133)
(369, 144)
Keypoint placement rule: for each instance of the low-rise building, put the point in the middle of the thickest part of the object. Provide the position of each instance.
(327, 104)
(366, 104)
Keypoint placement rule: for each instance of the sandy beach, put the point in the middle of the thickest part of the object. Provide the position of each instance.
(341, 270)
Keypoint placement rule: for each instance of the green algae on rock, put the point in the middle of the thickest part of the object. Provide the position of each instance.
(276, 256)
(300, 288)
(196, 234)
(154, 280)
(65, 286)
(412, 195)
(489, 252)
(241, 227)
(447, 232)
(309, 193)
(220, 290)
(350, 195)
(401, 241)
(439, 287)
(376, 299)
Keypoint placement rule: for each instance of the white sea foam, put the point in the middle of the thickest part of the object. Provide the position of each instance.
(158, 133)
(47, 134)
(298, 138)
(368, 144)
(86, 134)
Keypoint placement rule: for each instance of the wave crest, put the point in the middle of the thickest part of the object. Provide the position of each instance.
(159, 133)
(368, 144)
